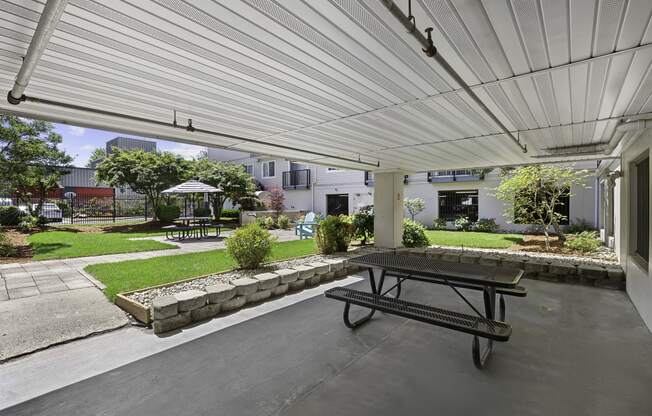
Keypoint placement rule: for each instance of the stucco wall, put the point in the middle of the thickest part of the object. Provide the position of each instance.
(639, 278)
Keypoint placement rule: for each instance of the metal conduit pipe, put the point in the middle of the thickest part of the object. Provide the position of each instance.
(430, 50)
(50, 17)
(190, 128)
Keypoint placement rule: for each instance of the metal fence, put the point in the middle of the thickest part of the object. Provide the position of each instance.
(87, 210)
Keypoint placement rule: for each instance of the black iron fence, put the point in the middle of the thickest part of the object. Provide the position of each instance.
(85, 209)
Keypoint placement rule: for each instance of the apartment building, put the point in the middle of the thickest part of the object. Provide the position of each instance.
(448, 194)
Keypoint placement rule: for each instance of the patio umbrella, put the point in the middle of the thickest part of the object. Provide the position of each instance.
(191, 187)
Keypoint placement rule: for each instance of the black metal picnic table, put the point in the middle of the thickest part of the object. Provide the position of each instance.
(490, 279)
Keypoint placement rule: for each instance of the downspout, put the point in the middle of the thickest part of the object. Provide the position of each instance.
(47, 24)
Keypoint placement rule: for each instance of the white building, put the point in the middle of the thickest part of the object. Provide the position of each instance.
(448, 194)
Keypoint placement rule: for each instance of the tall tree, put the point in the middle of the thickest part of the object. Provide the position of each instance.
(146, 173)
(30, 159)
(236, 184)
(534, 193)
(96, 157)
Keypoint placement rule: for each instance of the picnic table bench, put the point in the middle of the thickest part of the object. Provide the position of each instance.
(491, 280)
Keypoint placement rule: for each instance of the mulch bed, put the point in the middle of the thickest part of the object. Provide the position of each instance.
(19, 240)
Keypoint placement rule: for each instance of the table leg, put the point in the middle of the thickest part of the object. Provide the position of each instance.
(481, 355)
(367, 317)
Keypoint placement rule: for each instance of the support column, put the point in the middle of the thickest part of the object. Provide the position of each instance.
(388, 209)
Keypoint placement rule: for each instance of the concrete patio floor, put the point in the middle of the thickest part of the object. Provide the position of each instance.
(575, 351)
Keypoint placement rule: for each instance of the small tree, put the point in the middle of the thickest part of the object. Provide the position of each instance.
(276, 202)
(30, 158)
(236, 184)
(146, 173)
(414, 206)
(533, 194)
(96, 157)
(363, 223)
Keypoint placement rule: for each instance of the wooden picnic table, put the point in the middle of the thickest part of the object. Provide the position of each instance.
(491, 280)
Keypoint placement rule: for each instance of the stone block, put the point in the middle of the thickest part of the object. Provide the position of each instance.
(615, 273)
(420, 251)
(327, 277)
(220, 292)
(536, 266)
(320, 267)
(451, 257)
(280, 289)
(313, 281)
(514, 263)
(287, 275)
(245, 286)
(305, 272)
(335, 264)
(434, 252)
(592, 272)
(259, 296)
(267, 280)
(297, 284)
(551, 277)
(164, 307)
(469, 258)
(171, 323)
(190, 299)
(205, 312)
(488, 260)
(564, 269)
(234, 303)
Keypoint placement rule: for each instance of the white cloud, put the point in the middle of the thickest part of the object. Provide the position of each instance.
(77, 131)
(89, 147)
(186, 151)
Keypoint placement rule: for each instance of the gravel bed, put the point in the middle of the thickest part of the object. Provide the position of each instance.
(603, 257)
(145, 297)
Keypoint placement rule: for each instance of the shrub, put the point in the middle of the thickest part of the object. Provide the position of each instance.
(265, 222)
(202, 212)
(249, 246)
(578, 226)
(414, 234)
(10, 216)
(586, 242)
(283, 221)
(363, 223)
(463, 224)
(486, 225)
(334, 234)
(167, 213)
(439, 224)
(6, 249)
(230, 213)
(27, 223)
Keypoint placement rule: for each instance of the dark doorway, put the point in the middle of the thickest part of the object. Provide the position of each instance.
(337, 204)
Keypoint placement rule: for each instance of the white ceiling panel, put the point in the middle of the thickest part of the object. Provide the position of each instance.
(342, 81)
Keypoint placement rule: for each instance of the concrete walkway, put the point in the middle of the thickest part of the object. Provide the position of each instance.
(575, 350)
(20, 280)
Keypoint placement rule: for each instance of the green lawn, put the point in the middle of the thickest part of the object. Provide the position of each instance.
(49, 245)
(138, 274)
(473, 239)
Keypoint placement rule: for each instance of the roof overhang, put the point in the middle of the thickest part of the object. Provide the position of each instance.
(342, 83)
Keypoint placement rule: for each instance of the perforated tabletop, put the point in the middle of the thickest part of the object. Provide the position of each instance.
(421, 268)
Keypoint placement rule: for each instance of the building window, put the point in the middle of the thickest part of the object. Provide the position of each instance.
(642, 209)
(455, 204)
(269, 169)
(249, 169)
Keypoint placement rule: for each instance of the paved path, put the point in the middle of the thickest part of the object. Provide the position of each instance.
(20, 280)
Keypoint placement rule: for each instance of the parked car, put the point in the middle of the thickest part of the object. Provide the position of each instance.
(5, 202)
(49, 210)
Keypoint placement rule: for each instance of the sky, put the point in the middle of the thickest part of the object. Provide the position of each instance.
(79, 142)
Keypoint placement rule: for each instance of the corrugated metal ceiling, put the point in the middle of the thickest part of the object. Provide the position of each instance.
(343, 77)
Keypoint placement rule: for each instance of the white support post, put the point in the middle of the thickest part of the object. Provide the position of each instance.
(388, 209)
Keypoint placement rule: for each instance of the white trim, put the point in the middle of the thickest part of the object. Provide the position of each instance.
(262, 173)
